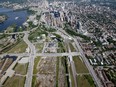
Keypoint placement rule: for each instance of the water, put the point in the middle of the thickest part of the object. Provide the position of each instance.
(2, 10)
(21, 18)
(10, 57)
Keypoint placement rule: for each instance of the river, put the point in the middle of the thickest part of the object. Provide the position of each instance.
(13, 17)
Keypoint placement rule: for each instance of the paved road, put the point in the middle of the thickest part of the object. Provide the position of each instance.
(45, 44)
(72, 65)
(66, 37)
(43, 54)
(32, 54)
(58, 54)
(90, 68)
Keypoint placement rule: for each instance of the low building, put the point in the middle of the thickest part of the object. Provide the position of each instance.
(102, 75)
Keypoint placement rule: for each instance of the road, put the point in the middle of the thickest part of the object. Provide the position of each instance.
(66, 37)
(43, 54)
(32, 55)
(45, 44)
(72, 65)
(90, 68)
(58, 54)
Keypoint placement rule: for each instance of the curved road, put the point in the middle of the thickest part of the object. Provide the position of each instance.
(32, 55)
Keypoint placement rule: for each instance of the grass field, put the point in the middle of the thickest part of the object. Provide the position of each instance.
(21, 69)
(36, 61)
(85, 81)
(34, 81)
(19, 48)
(72, 79)
(38, 32)
(72, 47)
(7, 63)
(61, 47)
(79, 65)
(15, 81)
(39, 47)
(57, 71)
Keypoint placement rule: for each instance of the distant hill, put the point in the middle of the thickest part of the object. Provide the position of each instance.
(21, 1)
(14, 1)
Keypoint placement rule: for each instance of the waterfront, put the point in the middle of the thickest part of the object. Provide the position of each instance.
(14, 17)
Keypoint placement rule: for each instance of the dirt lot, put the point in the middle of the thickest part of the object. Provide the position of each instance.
(46, 72)
(50, 73)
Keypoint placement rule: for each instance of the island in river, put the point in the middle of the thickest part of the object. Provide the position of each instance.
(3, 18)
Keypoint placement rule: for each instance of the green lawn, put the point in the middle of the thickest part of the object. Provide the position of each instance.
(21, 68)
(15, 81)
(79, 65)
(36, 61)
(19, 48)
(85, 81)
